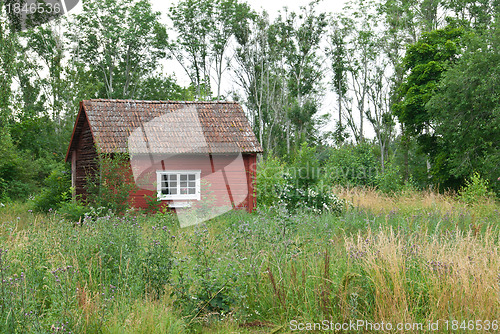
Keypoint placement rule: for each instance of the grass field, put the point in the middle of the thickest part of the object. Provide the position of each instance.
(417, 258)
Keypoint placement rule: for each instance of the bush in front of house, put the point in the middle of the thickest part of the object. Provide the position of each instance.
(110, 188)
(269, 180)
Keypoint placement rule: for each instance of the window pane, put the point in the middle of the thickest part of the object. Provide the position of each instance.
(192, 184)
(173, 177)
(192, 191)
(192, 177)
(164, 177)
(183, 191)
(173, 184)
(173, 191)
(184, 183)
(183, 177)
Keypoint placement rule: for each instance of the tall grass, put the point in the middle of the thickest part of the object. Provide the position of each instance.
(413, 258)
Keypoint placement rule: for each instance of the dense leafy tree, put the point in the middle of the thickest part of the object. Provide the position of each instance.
(119, 42)
(164, 88)
(426, 60)
(467, 113)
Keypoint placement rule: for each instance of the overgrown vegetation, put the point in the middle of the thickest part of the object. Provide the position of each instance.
(400, 228)
(413, 258)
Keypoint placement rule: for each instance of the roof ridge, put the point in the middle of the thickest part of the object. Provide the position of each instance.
(160, 101)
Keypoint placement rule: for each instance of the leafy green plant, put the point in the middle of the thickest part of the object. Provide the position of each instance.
(157, 261)
(317, 198)
(73, 210)
(153, 203)
(475, 190)
(391, 180)
(110, 187)
(14, 175)
(56, 191)
(269, 180)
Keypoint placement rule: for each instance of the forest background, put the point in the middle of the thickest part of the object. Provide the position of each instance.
(420, 77)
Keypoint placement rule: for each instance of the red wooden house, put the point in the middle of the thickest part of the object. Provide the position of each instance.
(180, 152)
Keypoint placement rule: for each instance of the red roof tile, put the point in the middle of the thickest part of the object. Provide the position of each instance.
(169, 127)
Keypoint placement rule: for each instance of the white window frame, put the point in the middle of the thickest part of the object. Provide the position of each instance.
(178, 196)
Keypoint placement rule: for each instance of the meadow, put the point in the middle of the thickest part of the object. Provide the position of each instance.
(415, 258)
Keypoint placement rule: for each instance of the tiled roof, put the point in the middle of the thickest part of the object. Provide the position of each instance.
(169, 127)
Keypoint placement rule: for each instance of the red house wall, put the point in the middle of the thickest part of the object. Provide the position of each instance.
(227, 179)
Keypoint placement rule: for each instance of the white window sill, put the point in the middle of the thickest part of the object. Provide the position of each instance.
(179, 205)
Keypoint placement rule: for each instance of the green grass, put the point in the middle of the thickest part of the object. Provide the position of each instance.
(382, 260)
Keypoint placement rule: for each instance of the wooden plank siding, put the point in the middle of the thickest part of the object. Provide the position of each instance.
(86, 160)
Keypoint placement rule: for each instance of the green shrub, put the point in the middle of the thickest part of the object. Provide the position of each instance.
(269, 180)
(304, 168)
(14, 173)
(317, 198)
(297, 185)
(390, 181)
(73, 210)
(351, 166)
(57, 190)
(475, 190)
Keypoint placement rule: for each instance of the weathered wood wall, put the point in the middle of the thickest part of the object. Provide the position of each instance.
(86, 159)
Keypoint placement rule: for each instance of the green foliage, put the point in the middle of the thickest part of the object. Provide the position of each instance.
(73, 210)
(351, 166)
(110, 187)
(425, 60)
(466, 109)
(304, 167)
(269, 181)
(391, 180)
(157, 88)
(297, 185)
(203, 30)
(56, 190)
(119, 44)
(153, 203)
(14, 173)
(316, 198)
(475, 190)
